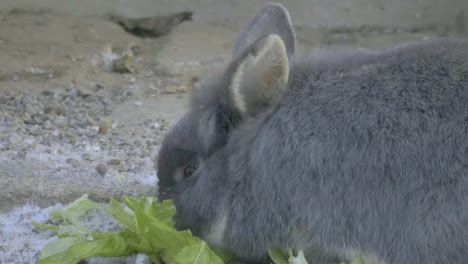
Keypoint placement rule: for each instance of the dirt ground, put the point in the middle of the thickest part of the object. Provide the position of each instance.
(69, 125)
(57, 89)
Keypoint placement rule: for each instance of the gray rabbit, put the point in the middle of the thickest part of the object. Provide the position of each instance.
(344, 155)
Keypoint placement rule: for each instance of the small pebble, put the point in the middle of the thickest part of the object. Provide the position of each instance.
(155, 125)
(89, 99)
(60, 110)
(48, 110)
(36, 119)
(47, 93)
(114, 162)
(103, 129)
(21, 155)
(121, 169)
(73, 162)
(83, 93)
(86, 156)
(101, 169)
(46, 142)
(30, 121)
(135, 170)
(34, 132)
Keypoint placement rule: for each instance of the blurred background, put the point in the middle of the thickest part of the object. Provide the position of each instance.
(89, 88)
(306, 12)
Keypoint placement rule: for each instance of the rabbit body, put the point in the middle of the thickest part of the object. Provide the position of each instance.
(353, 154)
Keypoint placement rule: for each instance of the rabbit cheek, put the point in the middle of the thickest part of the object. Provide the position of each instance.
(215, 233)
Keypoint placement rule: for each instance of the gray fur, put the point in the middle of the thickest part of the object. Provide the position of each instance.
(366, 153)
(213, 112)
(273, 18)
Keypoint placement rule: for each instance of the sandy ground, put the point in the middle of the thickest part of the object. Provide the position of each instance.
(69, 125)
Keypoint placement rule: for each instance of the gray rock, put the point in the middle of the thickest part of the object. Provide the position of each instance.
(101, 169)
(114, 162)
(73, 162)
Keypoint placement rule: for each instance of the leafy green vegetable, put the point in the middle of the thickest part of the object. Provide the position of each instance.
(357, 260)
(71, 250)
(277, 256)
(196, 253)
(146, 227)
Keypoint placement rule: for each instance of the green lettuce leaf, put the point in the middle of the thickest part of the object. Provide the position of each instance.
(196, 253)
(277, 257)
(71, 250)
(357, 260)
(147, 227)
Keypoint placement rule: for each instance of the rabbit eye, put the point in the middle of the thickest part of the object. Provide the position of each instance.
(190, 169)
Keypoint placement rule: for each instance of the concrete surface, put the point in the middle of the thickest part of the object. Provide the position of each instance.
(350, 13)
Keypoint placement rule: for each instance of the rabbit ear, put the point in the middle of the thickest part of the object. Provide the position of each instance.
(273, 18)
(258, 78)
(251, 83)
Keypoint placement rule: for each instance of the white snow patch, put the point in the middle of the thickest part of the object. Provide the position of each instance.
(19, 240)
(92, 148)
(36, 71)
(151, 180)
(141, 259)
(155, 125)
(52, 155)
(108, 56)
(29, 141)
